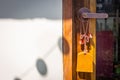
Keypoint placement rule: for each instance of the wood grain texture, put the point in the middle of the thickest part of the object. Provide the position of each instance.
(91, 4)
(71, 33)
(93, 31)
(67, 35)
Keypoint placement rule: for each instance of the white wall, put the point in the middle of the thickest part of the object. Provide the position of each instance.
(22, 42)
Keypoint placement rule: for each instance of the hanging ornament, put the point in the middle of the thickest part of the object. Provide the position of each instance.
(85, 35)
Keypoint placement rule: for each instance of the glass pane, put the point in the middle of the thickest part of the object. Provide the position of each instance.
(108, 52)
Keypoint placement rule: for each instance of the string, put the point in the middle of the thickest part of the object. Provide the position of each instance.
(81, 27)
(85, 33)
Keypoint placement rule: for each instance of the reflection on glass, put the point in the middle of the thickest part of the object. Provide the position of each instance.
(108, 41)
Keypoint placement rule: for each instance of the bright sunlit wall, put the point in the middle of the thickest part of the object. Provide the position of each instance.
(30, 40)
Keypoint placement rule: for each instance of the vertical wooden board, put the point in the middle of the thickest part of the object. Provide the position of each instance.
(67, 39)
(67, 55)
(77, 4)
(93, 31)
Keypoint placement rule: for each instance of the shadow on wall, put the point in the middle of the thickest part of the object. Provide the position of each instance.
(22, 9)
(40, 63)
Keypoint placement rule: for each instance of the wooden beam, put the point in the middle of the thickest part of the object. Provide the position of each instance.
(67, 39)
(93, 31)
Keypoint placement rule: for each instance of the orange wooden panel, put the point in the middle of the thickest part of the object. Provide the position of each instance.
(67, 55)
(85, 62)
(67, 39)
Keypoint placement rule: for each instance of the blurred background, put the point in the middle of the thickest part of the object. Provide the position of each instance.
(31, 40)
(22, 9)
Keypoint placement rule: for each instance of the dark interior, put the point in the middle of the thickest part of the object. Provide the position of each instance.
(108, 41)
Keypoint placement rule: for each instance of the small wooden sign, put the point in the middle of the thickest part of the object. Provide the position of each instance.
(84, 62)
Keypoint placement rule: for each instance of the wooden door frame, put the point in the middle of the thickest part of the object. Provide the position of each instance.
(71, 33)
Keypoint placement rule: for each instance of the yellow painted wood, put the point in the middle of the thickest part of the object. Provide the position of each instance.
(70, 27)
(93, 31)
(84, 62)
(90, 72)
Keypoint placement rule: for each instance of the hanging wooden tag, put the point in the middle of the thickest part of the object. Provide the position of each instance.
(84, 62)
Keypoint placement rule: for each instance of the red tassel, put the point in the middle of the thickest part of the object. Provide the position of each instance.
(81, 41)
(90, 35)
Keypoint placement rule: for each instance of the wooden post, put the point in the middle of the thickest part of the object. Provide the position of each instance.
(67, 39)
